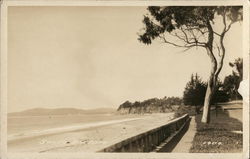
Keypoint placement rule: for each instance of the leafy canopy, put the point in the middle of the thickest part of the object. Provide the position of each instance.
(232, 82)
(238, 64)
(199, 18)
(194, 93)
(195, 90)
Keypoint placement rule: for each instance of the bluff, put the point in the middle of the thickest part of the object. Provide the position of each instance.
(153, 105)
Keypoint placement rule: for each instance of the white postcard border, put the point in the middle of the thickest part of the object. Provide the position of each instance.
(3, 84)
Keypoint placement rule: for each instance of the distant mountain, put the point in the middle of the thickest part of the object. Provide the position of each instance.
(61, 111)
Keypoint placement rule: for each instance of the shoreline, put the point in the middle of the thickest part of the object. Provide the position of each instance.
(90, 137)
(52, 131)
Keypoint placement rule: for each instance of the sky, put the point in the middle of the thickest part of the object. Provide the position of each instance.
(89, 57)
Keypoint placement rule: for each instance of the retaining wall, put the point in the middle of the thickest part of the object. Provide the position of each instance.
(151, 140)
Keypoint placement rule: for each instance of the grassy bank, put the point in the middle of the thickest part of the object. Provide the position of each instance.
(223, 134)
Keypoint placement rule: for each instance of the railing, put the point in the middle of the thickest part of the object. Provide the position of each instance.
(151, 140)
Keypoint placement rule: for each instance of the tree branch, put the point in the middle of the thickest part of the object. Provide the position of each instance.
(194, 37)
(218, 48)
(217, 33)
(226, 28)
(187, 45)
(229, 26)
(185, 34)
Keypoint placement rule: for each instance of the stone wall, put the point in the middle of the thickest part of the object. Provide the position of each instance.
(151, 140)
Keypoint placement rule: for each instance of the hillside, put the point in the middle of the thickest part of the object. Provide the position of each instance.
(153, 105)
(61, 111)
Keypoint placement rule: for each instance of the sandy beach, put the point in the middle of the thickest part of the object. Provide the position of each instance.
(86, 137)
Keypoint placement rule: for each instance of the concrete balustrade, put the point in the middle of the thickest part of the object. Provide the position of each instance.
(149, 141)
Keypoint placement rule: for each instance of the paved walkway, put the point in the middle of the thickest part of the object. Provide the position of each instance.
(186, 141)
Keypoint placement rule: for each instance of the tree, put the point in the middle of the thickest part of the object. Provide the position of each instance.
(238, 64)
(194, 92)
(189, 27)
(231, 85)
(126, 104)
(151, 105)
(220, 94)
(232, 82)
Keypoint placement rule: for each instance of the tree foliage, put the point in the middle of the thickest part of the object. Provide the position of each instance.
(185, 23)
(193, 26)
(195, 90)
(151, 105)
(238, 64)
(232, 82)
(220, 95)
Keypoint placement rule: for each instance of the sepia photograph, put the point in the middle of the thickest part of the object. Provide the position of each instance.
(123, 79)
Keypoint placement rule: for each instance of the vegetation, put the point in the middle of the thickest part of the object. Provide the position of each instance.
(151, 105)
(231, 85)
(238, 64)
(195, 90)
(232, 82)
(194, 95)
(188, 27)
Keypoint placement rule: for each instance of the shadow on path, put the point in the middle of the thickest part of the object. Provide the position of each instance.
(186, 142)
(173, 143)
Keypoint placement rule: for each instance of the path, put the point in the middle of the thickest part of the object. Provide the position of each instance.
(186, 141)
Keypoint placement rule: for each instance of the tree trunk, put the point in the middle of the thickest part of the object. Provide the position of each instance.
(207, 101)
(215, 71)
(211, 84)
